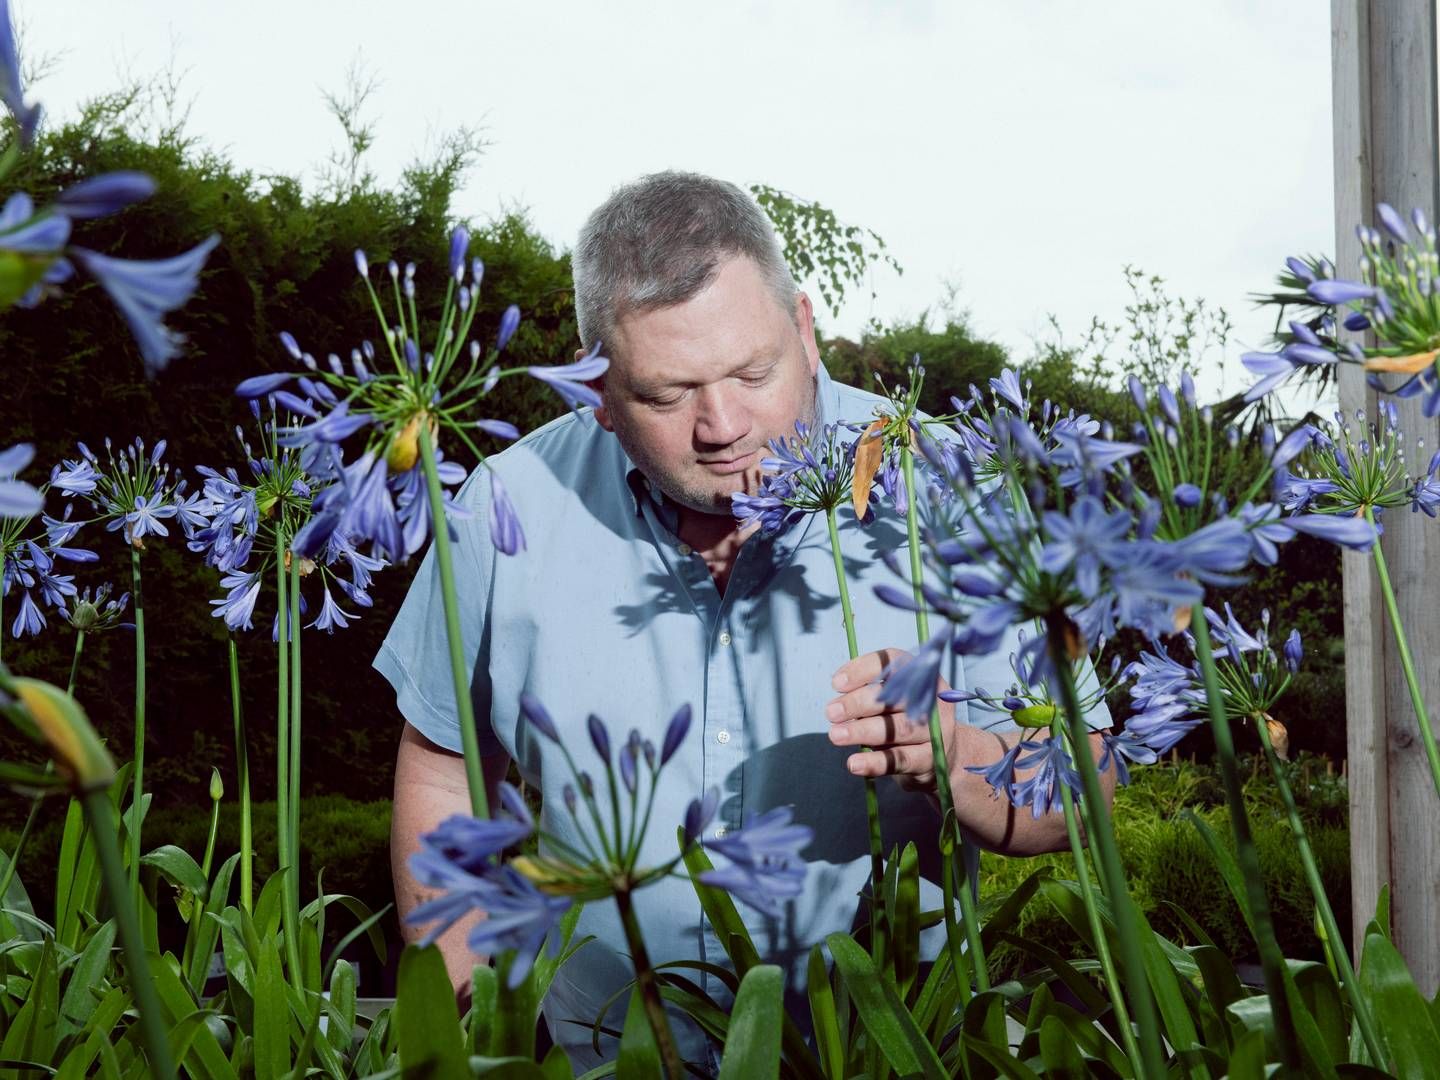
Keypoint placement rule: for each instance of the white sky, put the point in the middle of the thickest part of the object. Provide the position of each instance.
(1023, 150)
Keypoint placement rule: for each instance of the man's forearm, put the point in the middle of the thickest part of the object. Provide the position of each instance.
(994, 822)
(430, 785)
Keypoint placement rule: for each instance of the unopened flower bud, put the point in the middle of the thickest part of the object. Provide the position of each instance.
(217, 786)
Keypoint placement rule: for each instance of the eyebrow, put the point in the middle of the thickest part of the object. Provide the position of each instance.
(646, 387)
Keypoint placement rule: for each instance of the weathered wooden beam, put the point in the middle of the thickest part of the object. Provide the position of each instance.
(1386, 149)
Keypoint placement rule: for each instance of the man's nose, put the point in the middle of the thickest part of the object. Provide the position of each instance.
(722, 419)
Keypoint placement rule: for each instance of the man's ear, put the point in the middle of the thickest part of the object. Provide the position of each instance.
(805, 324)
(602, 415)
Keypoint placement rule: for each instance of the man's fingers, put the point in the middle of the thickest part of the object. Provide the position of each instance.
(864, 669)
(857, 704)
(909, 761)
(887, 729)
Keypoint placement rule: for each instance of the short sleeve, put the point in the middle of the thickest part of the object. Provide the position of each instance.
(415, 655)
(993, 674)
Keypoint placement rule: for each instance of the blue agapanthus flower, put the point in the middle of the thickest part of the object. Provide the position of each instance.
(253, 522)
(518, 916)
(765, 864)
(397, 397)
(17, 498)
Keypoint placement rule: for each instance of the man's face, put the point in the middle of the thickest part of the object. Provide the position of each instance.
(695, 390)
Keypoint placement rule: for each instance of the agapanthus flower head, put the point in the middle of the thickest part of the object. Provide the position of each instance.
(766, 865)
(809, 472)
(94, 612)
(1357, 464)
(251, 522)
(418, 389)
(134, 492)
(1169, 694)
(518, 919)
(1391, 295)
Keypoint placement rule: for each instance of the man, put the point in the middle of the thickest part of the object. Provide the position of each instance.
(637, 594)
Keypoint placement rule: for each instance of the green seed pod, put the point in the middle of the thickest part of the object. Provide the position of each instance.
(1035, 716)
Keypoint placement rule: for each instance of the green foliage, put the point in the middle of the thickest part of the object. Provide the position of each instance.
(816, 243)
(72, 372)
(1167, 865)
(954, 357)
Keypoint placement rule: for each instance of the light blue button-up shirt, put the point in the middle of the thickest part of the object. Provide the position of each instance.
(607, 611)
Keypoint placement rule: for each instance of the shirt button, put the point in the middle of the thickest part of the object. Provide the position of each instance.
(720, 832)
(684, 549)
(722, 737)
(724, 637)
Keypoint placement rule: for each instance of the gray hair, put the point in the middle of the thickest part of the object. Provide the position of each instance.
(661, 240)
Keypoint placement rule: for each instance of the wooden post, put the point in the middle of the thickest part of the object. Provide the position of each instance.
(1385, 116)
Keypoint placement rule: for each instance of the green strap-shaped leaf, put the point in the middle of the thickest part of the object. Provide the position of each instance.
(752, 1051)
(484, 988)
(716, 903)
(427, 1025)
(205, 1057)
(999, 1059)
(639, 1057)
(204, 931)
(79, 1002)
(31, 1036)
(361, 910)
(1062, 1058)
(1406, 1023)
(272, 1016)
(884, 1015)
(341, 1027)
(1247, 1059)
(177, 867)
(905, 916)
(823, 1019)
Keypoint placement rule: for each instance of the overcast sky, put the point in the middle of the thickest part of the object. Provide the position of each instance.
(1023, 151)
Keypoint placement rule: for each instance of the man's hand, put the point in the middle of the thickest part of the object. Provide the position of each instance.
(897, 747)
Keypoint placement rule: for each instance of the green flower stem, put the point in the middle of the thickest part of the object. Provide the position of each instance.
(1092, 911)
(968, 907)
(464, 706)
(242, 774)
(292, 883)
(137, 788)
(75, 661)
(645, 986)
(1358, 1001)
(286, 853)
(872, 798)
(147, 1002)
(959, 959)
(1101, 834)
(1417, 699)
(1271, 960)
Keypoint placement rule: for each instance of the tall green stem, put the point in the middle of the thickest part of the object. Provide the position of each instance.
(464, 706)
(647, 989)
(1092, 912)
(242, 777)
(872, 798)
(286, 851)
(1272, 961)
(75, 661)
(293, 802)
(137, 788)
(147, 1002)
(1417, 699)
(1101, 834)
(1358, 1001)
(943, 791)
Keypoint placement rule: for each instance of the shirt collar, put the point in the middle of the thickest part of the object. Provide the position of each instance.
(827, 409)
